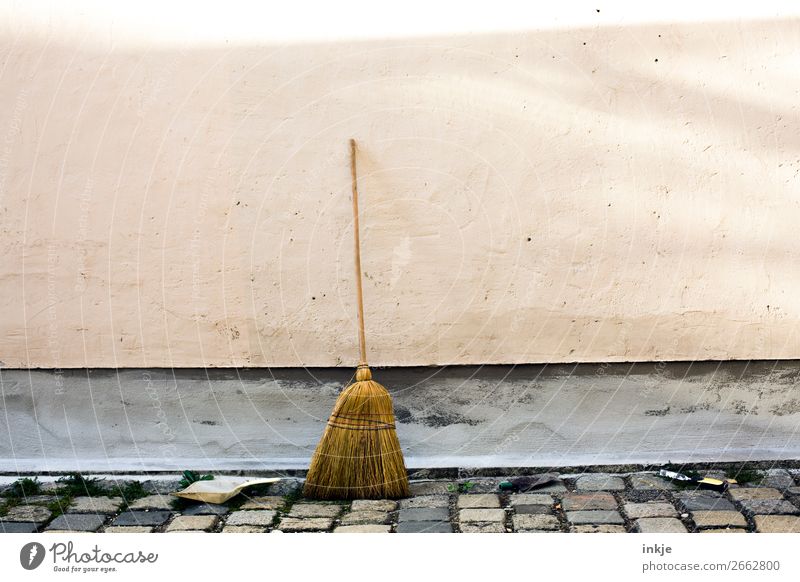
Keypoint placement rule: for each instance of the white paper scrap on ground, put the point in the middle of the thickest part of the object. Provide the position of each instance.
(220, 489)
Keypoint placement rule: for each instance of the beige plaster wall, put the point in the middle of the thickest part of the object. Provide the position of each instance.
(594, 193)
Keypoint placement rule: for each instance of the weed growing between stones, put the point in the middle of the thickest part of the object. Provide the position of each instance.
(130, 491)
(76, 485)
(464, 487)
(8, 504)
(59, 505)
(19, 490)
(288, 500)
(744, 476)
(25, 487)
(180, 504)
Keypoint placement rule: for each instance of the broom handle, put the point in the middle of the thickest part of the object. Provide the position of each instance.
(362, 341)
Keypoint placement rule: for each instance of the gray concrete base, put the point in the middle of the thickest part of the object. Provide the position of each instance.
(493, 416)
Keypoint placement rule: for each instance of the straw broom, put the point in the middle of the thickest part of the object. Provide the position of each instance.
(359, 455)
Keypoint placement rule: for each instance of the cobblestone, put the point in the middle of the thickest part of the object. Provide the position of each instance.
(260, 517)
(374, 505)
(293, 524)
(719, 519)
(769, 506)
(486, 500)
(653, 509)
(531, 499)
(193, 523)
(751, 493)
(364, 528)
(595, 517)
(483, 528)
(650, 481)
(207, 509)
(532, 503)
(779, 478)
(76, 522)
(425, 501)
(600, 482)
(107, 505)
(32, 513)
(660, 525)
(598, 529)
(703, 501)
(268, 502)
(154, 518)
(366, 516)
(128, 529)
(777, 523)
(38, 499)
(17, 527)
(162, 502)
(424, 514)
(544, 509)
(243, 529)
(584, 501)
(315, 510)
(535, 522)
(482, 515)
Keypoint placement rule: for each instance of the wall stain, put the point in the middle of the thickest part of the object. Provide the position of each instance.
(657, 412)
(695, 408)
(435, 419)
(443, 418)
(740, 407)
(791, 406)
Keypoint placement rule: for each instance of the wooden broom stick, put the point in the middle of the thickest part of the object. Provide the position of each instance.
(362, 341)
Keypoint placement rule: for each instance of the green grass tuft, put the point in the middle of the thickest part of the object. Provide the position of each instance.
(744, 476)
(18, 492)
(76, 485)
(59, 505)
(180, 503)
(130, 491)
(25, 487)
(464, 487)
(8, 504)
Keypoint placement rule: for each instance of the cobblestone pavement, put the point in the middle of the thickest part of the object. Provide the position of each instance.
(769, 501)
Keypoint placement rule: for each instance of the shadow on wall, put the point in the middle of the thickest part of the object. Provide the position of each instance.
(597, 194)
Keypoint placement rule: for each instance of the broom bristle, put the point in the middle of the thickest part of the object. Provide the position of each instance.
(359, 455)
